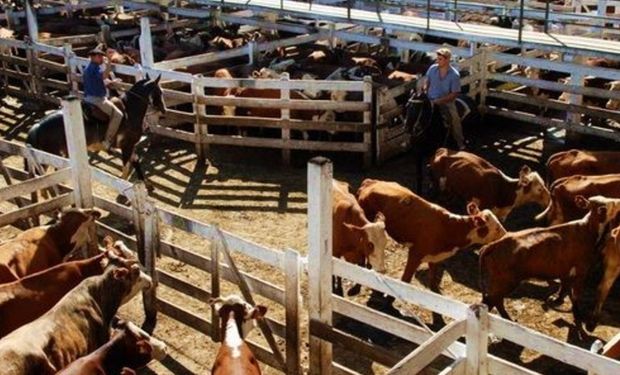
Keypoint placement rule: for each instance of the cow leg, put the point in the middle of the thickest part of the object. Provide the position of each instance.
(610, 276)
(575, 296)
(434, 276)
(413, 262)
(337, 286)
(565, 287)
(356, 289)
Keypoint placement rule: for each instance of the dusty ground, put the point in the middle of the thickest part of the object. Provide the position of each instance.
(248, 193)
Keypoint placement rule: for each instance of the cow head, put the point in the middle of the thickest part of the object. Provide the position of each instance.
(487, 227)
(127, 277)
(74, 224)
(138, 347)
(532, 188)
(372, 241)
(245, 314)
(613, 104)
(602, 210)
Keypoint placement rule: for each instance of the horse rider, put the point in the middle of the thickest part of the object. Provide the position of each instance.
(96, 79)
(442, 86)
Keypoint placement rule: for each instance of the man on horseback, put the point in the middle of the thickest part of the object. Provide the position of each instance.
(96, 79)
(442, 86)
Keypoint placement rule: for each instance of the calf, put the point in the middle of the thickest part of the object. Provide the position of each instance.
(431, 232)
(611, 265)
(355, 238)
(39, 248)
(572, 162)
(565, 252)
(472, 178)
(77, 325)
(129, 349)
(25, 300)
(238, 318)
(562, 207)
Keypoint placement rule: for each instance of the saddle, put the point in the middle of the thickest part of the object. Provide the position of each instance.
(94, 114)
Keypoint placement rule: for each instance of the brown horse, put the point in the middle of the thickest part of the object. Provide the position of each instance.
(49, 134)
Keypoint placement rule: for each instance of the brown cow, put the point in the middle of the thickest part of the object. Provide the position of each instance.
(238, 318)
(76, 326)
(431, 232)
(129, 349)
(565, 252)
(572, 162)
(474, 179)
(39, 248)
(611, 265)
(562, 207)
(355, 238)
(25, 300)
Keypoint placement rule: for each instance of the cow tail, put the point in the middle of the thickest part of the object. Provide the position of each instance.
(484, 276)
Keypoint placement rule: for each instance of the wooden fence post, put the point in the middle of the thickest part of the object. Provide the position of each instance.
(368, 121)
(147, 234)
(285, 115)
(252, 52)
(146, 45)
(215, 288)
(31, 19)
(477, 332)
(577, 79)
(483, 64)
(78, 160)
(200, 128)
(71, 68)
(292, 291)
(320, 259)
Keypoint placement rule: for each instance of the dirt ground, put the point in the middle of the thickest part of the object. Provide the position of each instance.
(247, 192)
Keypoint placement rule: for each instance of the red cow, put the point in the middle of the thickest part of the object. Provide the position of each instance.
(572, 162)
(611, 265)
(238, 318)
(564, 252)
(562, 207)
(42, 247)
(129, 349)
(431, 232)
(474, 179)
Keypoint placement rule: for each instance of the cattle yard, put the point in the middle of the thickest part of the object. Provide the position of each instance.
(219, 261)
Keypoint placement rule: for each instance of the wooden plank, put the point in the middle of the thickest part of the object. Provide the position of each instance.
(203, 58)
(37, 209)
(276, 84)
(455, 368)
(283, 104)
(113, 207)
(274, 123)
(406, 292)
(424, 354)
(554, 104)
(260, 142)
(551, 347)
(34, 184)
(553, 123)
(389, 324)
(285, 115)
(320, 172)
(267, 255)
(55, 84)
(51, 65)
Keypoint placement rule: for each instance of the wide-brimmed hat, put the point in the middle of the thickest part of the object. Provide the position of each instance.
(96, 51)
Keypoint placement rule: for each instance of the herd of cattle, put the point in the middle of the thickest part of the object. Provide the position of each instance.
(57, 314)
(582, 200)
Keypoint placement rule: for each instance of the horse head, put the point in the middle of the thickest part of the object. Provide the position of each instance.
(157, 96)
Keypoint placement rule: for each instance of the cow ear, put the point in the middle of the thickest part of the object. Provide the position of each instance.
(255, 74)
(108, 242)
(523, 173)
(216, 303)
(120, 273)
(615, 233)
(582, 202)
(472, 208)
(259, 312)
(379, 217)
(601, 211)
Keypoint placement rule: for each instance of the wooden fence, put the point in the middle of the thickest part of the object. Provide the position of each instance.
(472, 322)
(148, 220)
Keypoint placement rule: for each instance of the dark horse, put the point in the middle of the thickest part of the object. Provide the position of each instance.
(428, 132)
(49, 134)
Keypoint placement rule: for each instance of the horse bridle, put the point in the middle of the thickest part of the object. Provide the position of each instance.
(417, 121)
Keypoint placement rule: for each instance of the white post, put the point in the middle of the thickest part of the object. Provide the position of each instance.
(252, 52)
(292, 297)
(31, 18)
(367, 96)
(285, 115)
(146, 45)
(200, 128)
(576, 79)
(483, 64)
(601, 11)
(71, 68)
(477, 362)
(473, 67)
(78, 159)
(320, 259)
